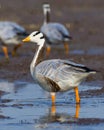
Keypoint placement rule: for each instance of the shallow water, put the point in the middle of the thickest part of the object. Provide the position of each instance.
(25, 106)
(91, 51)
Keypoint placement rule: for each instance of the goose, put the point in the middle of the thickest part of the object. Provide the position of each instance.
(11, 33)
(55, 33)
(55, 75)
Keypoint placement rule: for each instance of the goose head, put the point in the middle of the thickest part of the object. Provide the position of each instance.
(46, 12)
(46, 8)
(35, 37)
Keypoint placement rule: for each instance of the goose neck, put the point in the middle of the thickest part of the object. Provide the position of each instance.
(38, 57)
(46, 17)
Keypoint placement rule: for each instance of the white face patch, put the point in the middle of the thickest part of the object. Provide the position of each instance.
(37, 37)
(46, 8)
(46, 5)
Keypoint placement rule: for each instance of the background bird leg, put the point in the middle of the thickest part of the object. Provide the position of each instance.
(5, 50)
(66, 46)
(15, 49)
(48, 50)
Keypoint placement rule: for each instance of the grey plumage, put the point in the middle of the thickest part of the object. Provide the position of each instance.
(64, 74)
(55, 33)
(11, 33)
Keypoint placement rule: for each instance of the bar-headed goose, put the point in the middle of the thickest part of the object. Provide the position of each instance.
(56, 75)
(11, 33)
(55, 33)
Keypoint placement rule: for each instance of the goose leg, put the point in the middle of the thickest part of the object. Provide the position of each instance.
(53, 97)
(48, 50)
(15, 49)
(53, 110)
(77, 110)
(66, 46)
(5, 50)
(77, 95)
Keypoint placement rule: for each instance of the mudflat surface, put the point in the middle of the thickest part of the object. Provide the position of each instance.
(84, 19)
(24, 105)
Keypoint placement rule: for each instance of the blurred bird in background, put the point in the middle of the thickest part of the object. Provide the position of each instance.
(11, 33)
(55, 33)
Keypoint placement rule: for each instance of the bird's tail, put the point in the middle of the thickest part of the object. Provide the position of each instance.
(67, 38)
(93, 71)
(23, 34)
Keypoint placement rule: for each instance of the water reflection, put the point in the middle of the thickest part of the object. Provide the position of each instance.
(55, 117)
(6, 86)
(11, 87)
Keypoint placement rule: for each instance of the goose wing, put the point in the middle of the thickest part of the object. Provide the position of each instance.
(19, 30)
(52, 34)
(58, 70)
(61, 75)
(70, 70)
(62, 29)
(10, 29)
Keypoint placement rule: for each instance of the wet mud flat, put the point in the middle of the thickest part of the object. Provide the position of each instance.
(23, 104)
(84, 19)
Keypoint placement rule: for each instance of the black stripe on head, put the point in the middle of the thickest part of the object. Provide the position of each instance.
(36, 33)
(42, 37)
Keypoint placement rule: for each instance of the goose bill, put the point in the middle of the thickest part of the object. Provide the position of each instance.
(27, 39)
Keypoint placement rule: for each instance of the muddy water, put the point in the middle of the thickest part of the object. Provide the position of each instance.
(25, 106)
